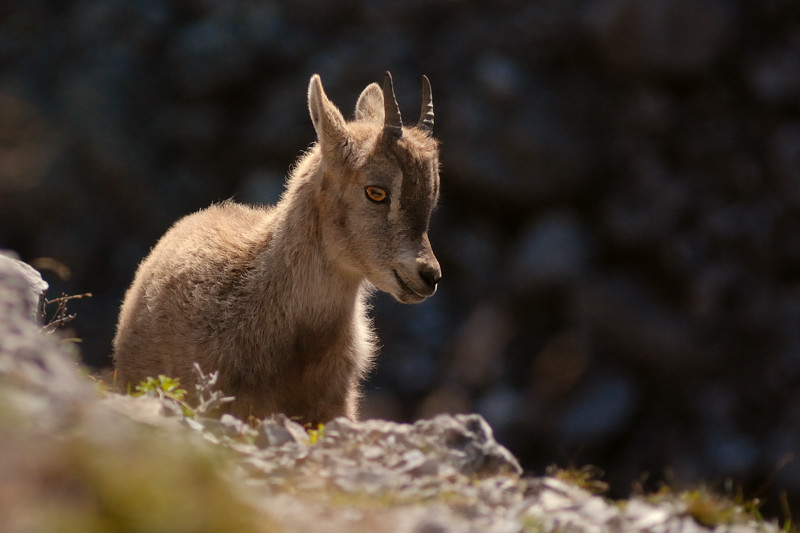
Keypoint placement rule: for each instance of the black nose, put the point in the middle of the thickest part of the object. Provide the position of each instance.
(430, 275)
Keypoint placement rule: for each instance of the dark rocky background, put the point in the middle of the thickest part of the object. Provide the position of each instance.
(618, 228)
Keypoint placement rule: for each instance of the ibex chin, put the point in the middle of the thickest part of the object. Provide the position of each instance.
(274, 298)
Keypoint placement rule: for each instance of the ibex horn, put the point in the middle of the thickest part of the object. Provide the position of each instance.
(426, 116)
(392, 123)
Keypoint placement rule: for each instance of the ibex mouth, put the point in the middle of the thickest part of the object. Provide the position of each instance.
(415, 295)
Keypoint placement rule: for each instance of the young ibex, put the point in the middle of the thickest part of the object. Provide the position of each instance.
(274, 298)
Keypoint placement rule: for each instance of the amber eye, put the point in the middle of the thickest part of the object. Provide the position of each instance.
(376, 194)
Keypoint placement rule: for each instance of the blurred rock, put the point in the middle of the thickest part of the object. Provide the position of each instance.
(663, 36)
(190, 125)
(139, 23)
(785, 243)
(28, 144)
(33, 298)
(600, 409)
(29, 358)
(448, 399)
(386, 405)
(785, 158)
(211, 55)
(480, 247)
(262, 187)
(502, 407)
(774, 74)
(478, 347)
(498, 75)
(272, 126)
(278, 431)
(626, 321)
(553, 250)
(647, 209)
(731, 452)
(413, 370)
(559, 366)
(549, 157)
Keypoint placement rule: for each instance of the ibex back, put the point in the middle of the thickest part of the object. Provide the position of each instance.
(274, 298)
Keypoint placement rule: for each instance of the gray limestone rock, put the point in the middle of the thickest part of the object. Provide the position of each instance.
(26, 281)
(30, 359)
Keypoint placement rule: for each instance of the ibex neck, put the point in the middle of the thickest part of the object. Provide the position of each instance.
(300, 240)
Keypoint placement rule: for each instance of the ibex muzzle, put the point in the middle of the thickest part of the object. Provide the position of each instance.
(274, 298)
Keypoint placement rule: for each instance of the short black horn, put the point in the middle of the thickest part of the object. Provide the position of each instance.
(426, 116)
(392, 123)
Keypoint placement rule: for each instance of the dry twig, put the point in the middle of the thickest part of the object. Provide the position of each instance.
(61, 318)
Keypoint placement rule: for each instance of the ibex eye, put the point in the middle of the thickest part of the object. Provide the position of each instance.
(376, 194)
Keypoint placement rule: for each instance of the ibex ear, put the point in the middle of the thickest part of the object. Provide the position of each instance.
(327, 119)
(369, 107)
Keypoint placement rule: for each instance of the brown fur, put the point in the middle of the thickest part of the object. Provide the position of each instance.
(275, 297)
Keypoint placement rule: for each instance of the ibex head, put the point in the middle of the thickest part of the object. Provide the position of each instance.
(379, 186)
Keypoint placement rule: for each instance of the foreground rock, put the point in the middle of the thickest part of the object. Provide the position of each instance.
(443, 474)
(76, 458)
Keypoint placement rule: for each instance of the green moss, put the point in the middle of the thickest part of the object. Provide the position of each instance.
(586, 477)
(710, 508)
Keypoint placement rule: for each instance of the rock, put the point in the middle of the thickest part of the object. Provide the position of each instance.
(663, 36)
(785, 241)
(212, 55)
(498, 75)
(469, 443)
(503, 407)
(599, 410)
(379, 457)
(785, 158)
(279, 430)
(29, 144)
(560, 506)
(262, 187)
(554, 250)
(481, 248)
(646, 210)
(144, 410)
(628, 321)
(545, 149)
(45, 374)
(31, 291)
(479, 344)
(446, 474)
(774, 74)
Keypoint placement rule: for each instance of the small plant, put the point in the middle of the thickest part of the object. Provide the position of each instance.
(586, 477)
(315, 435)
(710, 508)
(166, 389)
(788, 525)
(713, 509)
(208, 397)
(162, 387)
